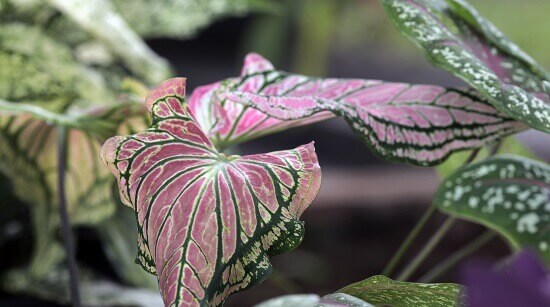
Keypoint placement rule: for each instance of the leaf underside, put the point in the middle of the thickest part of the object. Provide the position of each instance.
(456, 38)
(382, 291)
(417, 124)
(506, 193)
(207, 222)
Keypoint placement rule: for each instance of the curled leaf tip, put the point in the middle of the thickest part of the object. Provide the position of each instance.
(255, 63)
(108, 150)
(171, 87)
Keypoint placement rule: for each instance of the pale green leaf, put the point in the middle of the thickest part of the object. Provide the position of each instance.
(181, 18)
(382, 291)
(94, 290)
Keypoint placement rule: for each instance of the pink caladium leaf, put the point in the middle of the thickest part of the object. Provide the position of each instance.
(229, 123)
(418, 124)
(456, 38)
(207, 221)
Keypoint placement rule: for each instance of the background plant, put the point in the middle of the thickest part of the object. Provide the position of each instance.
(432, 121)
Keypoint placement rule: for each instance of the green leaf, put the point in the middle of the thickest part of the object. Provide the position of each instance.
(456, 38)
(382, 291)
(118, 234)
(95, 290)
(181, 18)
(506, 193)
(103, 23)
(28, 158)
(509, 145)
(38, 70)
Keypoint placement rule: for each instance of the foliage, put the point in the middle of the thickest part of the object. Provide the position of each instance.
(506, 193)
(208, 220)
(382, 291)
(455, 37)
(418, 124)
(68, 63)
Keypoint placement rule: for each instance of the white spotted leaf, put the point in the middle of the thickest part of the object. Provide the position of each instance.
(383, 291)
(456, 38)
(506, 193)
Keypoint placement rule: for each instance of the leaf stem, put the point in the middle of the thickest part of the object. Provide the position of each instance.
(408, 241)
(417, 229)
(457, 256)
(427, 249)
(64, 216)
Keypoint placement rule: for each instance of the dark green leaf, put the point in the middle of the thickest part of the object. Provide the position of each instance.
(506, 193)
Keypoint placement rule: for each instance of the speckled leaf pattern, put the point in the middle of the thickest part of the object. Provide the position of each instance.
(38, 70)
(180, 18)
(418, 124)
(382, 291)
(207, 221)
(455, 37)
(506, 193)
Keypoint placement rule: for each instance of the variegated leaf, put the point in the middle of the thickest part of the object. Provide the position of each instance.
(28, 155)
(506, 193)
(455, 37)
(418, 124)
(382, 291)
(38, 70)
(180, 18)
(102, 22)
(228, 123)
(207, 221)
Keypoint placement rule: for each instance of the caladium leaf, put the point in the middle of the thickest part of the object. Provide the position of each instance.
(28, 155)
(382, 291)
(180, 18)
(38, 70)
(100, 19)
(95, 290)
(455, 37)
(207, 221)
(510, 145)
(418, 124)
(506, 193)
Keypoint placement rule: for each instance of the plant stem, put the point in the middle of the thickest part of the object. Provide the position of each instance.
(427, 249)
(462, 253)
(64, 216)
(417, 229)
(408, 241)
(495, 148)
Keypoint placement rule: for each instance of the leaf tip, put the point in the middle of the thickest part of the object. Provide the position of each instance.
(170, 87)
(108, 150)
(255, 63)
